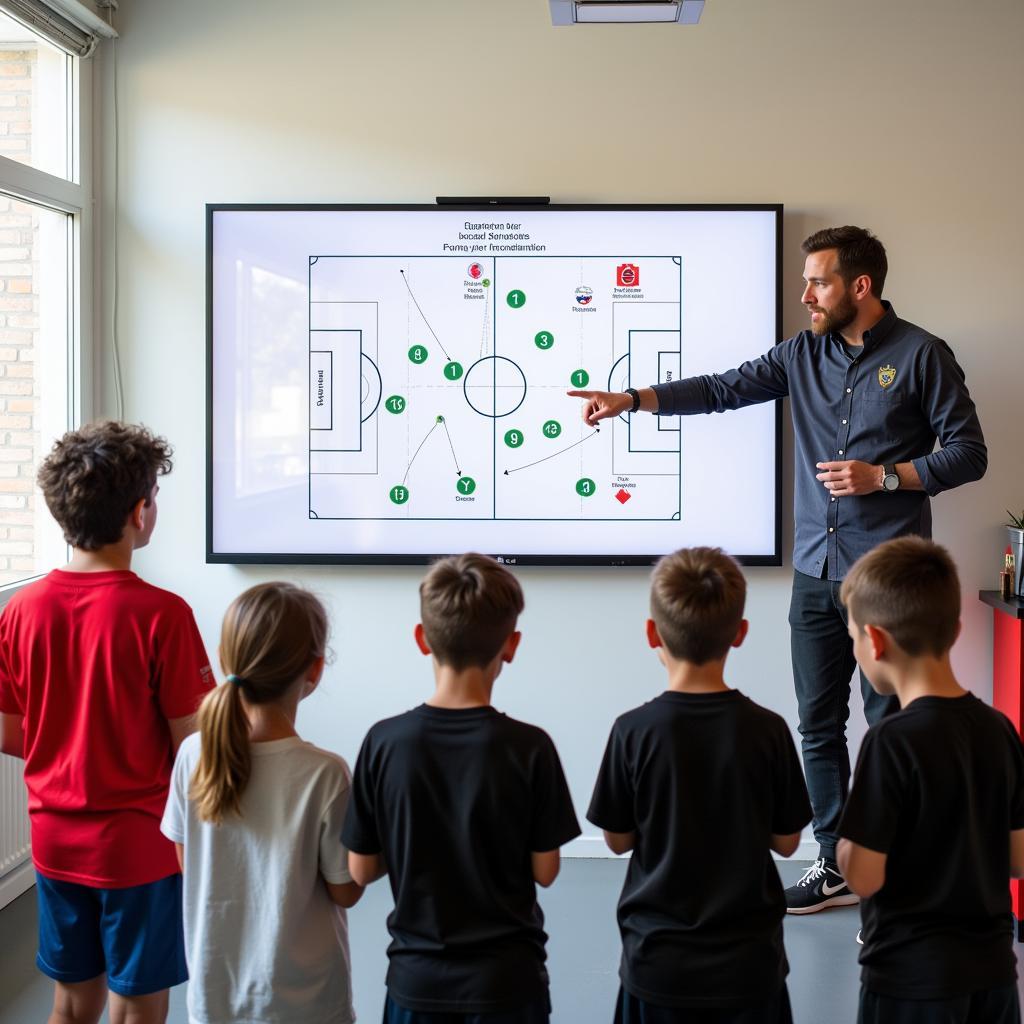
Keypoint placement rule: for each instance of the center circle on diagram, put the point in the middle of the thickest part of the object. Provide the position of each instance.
(494, 386)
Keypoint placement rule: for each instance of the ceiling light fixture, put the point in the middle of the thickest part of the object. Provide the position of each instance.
(619, 12)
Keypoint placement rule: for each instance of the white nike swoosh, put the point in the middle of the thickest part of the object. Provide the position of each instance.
(831, 890)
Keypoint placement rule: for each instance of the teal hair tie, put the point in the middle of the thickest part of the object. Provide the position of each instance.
(237, 680)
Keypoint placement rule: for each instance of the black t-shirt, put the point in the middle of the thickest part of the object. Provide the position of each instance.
(703, 780)
(456, 801)
(938, 788)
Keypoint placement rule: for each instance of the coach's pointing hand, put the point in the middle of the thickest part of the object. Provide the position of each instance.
(599, 405)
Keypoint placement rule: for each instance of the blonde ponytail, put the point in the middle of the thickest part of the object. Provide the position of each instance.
(271, 634)
(225, 761)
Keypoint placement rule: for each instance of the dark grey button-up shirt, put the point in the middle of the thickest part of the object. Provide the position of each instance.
(889, 403)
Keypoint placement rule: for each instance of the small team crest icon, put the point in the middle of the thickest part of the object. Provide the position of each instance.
(475, 271)
(627, 275)
(584, 294)
(886, 375)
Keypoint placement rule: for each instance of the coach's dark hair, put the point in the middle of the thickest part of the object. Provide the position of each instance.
(468, 606)
(95, 476)
(859, 253)
(697, 599)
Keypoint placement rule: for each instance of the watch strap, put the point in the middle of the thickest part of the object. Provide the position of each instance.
(635, 395)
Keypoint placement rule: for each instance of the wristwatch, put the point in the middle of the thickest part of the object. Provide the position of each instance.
(890, 478)
(635, 395)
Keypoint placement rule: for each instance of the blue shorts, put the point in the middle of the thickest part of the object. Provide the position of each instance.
(532, 1013)
(132, 935)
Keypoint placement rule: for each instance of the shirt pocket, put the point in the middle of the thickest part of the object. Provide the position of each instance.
(882, 417)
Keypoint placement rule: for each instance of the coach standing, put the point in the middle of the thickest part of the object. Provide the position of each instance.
(870, 396)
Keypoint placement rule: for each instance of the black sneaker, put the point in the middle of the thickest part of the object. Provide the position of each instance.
(820, 886)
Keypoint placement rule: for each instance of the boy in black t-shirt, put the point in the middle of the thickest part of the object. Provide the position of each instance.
(464, 809)
(933, 827)
(701, 784)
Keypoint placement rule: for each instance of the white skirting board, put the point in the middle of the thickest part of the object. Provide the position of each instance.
(15, 882)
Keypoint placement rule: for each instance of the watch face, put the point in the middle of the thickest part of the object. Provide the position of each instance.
(891, 482)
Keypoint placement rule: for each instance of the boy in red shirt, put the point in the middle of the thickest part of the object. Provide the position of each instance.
(100, 674)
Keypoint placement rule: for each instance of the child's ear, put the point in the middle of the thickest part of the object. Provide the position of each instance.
(741, 633)
(313, 676)
(137, 516)
(421, 639)
(881, 642)
(508, 651)
(653, 636)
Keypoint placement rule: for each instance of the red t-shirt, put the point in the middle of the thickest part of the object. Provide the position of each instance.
(97, 662)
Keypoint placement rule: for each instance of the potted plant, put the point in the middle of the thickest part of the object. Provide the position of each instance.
(1015, 527)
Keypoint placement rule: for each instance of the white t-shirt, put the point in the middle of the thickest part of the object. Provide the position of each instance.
(264, 943)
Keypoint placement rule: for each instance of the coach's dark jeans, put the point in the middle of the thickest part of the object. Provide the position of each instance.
(823, 665)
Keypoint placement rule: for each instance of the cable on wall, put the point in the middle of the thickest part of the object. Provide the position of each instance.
(115, 344)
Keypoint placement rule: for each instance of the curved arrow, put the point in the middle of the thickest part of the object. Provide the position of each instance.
(597, 430)
(422, 314)
(422, 443)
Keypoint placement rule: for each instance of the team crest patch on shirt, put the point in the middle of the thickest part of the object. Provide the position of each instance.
(886, 375)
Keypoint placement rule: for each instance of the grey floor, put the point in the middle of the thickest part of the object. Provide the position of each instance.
(583, 953)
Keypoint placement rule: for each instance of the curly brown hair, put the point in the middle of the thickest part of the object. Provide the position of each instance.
(94, 477)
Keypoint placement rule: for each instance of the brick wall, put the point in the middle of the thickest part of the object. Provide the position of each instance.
(19, 322)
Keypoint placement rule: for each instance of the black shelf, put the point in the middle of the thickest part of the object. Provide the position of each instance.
(1014, 607)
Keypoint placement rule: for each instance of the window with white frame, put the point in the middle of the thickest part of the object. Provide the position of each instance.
(45, 244)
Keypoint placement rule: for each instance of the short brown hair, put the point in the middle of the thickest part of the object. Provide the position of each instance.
(910, 588)
(94, 477)
(468, 606)
(858, 250)
(697, 599)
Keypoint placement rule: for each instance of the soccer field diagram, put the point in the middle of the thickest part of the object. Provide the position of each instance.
(437, 387)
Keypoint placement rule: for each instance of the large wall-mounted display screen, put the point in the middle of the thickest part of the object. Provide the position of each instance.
(388, 384)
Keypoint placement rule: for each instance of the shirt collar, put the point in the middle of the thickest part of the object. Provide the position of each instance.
(877, 334)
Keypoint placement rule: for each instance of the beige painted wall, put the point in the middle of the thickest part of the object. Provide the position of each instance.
(902, 115)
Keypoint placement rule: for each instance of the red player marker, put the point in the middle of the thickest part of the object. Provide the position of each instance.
(623, 496)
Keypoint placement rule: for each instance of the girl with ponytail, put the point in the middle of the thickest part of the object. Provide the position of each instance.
(256, 815)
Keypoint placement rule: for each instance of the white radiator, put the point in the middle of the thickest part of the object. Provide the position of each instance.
(15, 870)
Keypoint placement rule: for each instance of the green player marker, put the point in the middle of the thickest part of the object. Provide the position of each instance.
(516, 299)
(585, 487)
(579, 378)
(399, 494)
(544, 339)
(453, 370)
(552, 428)
(418, 354)
(514, 438)
(465, 485)
(395, 404)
